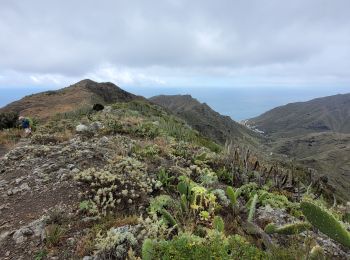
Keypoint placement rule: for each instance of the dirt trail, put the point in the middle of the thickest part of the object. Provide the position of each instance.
(3, 150)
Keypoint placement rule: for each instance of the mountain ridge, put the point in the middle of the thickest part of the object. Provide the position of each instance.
(203, 118)
(83, 93)
(331, 113)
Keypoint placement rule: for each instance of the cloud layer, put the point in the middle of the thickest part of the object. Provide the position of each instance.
(175, 42)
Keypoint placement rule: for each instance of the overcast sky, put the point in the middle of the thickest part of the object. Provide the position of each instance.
(175, 43)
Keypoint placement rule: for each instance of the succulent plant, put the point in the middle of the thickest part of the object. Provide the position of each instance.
(218, 223)
(252, 208)
(184, 203)
(183, 188)
(325, 222)
(231, 195)
(147, 249)
(168, 217)
(289, 229)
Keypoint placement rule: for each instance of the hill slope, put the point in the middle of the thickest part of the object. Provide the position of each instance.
(84, 93)
(204, 119)
(318, 115)
(316, 133)
(137, 181)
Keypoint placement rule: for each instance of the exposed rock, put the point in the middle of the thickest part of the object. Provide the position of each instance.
(82, 128)
(95, 126)
(3, 236)
(21, 188)
(34, 229)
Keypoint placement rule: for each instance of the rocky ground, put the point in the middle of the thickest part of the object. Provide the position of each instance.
(36, 179)
(47, 187)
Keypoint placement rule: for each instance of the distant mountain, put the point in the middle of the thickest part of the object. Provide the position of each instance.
(84, 93)
(316, 133)
(204, 119)
(325, 114)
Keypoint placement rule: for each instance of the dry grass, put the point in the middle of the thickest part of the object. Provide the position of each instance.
(9, 137)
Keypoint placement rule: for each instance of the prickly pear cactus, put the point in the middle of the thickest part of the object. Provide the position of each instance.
(289, 229)
(325, 222)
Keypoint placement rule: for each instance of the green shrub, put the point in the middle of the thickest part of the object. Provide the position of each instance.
(8, 120)
(149, 151)
(159, 203)
(292, 252)
(147, 129)
(147, 249)
(325, 222)
(214, 246)
(224, 175)
(164, 177)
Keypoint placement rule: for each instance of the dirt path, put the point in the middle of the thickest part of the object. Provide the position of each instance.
(3, 150)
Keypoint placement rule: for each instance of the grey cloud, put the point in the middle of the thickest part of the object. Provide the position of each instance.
(178, 38)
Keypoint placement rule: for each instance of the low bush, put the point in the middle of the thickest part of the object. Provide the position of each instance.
(8, 120)
(214, 246)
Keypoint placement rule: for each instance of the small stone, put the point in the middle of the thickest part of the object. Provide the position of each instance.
(27, 232)
(3, 183)
(82, 128)
(90, 219)
(70, 166)
(104, 140)
(24, 186)
(95, 126)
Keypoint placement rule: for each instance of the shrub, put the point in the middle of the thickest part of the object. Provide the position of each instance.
(214, 246)
(124, 184)
(159, 203)
(115, 244)
(8, 120)
(147, 129)
(164, 177)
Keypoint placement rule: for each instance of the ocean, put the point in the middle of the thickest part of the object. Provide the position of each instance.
(238, 103)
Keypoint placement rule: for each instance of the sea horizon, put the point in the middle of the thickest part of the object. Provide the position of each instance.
(237, 102)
